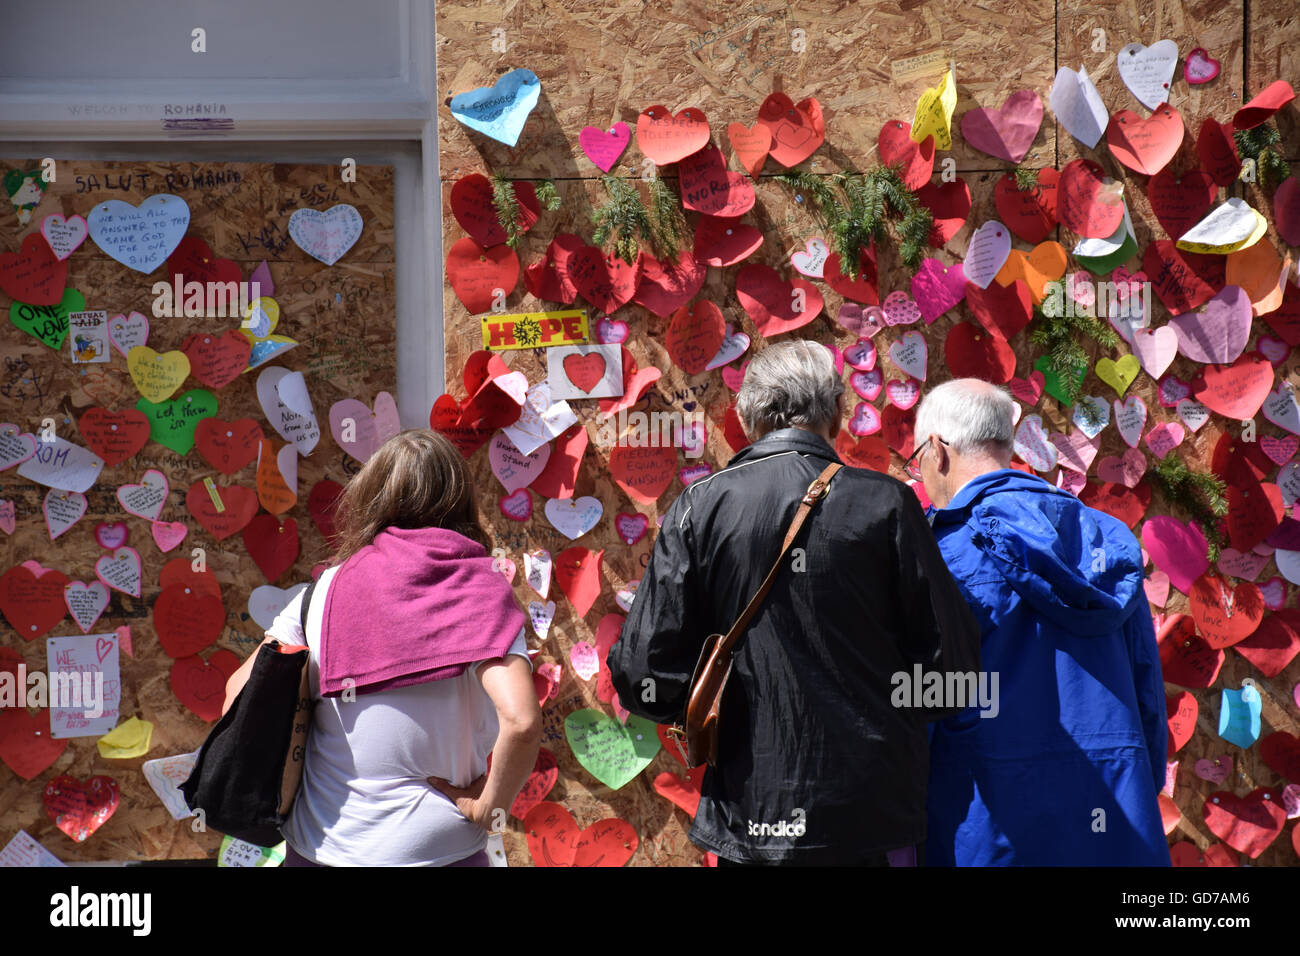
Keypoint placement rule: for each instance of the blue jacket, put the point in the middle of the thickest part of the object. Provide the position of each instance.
(1068, 770)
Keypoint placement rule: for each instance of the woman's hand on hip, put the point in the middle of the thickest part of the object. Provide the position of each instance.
(467, 799)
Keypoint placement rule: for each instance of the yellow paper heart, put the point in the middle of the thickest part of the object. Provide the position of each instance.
(157, 375)
(934, 113)
(128, 739)
(1043, 265)
(261, 318)
(1222, 249)
(1119, 375)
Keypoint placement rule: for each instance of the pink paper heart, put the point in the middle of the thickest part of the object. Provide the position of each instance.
(611, 331)
(1165, 437)
(900, 310)
(1218, 333)
(694, 472)
(1247, 566)
(582, 655)
(867, 384)
(358, 430)
(837, 356)
(734, 375)
(1076, 450)
(1178, 548)
(864, 322)
(1173, 390)
(505, 567)
(1274, 592)
(1033, 445)
(8, 516)
(937, 288)
(861, 355)
(631, 527)
(1006, 132)
(1071, 481)
(1279, 450)
(865, 420)
(168, 534)
(904, 394)
(1200, 67)
(604, 147)
(517, 506)
(514, 469)
(1130, 419)
(1028, 390)
(1273, 349)
(1216, 771)
(1126, 470)
(1156, 349)
(1157, 587)
(112, 536)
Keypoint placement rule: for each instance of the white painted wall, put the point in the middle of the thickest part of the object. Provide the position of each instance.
(298, 81)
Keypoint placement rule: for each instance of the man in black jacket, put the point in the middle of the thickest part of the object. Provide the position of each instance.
(823, 752)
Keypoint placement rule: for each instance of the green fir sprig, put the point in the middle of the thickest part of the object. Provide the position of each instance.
(627, 220)
(548, 195)
(1057, 333)
(1199, 495)
(858, 209)
(1262, 144)
(506, 202)
(1026, 178)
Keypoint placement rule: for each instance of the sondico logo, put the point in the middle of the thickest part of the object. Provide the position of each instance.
(782, 828)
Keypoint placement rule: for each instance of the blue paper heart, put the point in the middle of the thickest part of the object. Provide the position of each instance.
(1239, 712)
(499, 110)
(140, 237)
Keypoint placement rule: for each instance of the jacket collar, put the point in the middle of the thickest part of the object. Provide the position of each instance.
(786, 440)
(1002, 479)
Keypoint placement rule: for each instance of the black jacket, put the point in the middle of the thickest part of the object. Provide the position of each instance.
(816, 765)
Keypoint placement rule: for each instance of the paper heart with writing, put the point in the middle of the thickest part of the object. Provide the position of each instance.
(811, 259)
(1181, 710)
(663, 288)
(1130, 419)
(499, 111)
(1076, 450)
(266, 601)
(613, 753)
(865, 420)
(1218, 333)
(48, 324)
(644, 472)
(1029, 389)
(1127, 504)
(910, 354)
(146, 498)
(512, 468)
(1029, 213)
(797, 129)
(1126, 469)
(1145, 145)
(861, 355)
(201, 685)
(1274, 591)
(65, 236)
(1090, 204)
(1183, 281)
(239, 505)
(272, 545)
(1185, 657)
(864, 323)
(707, 186)
(1199, 67)
(86, 602)
(695, 335)
(1165, 437)
(113, 436)
(112, 536)
(62, 509)
(574, 517)
(326, 235)
(120, 570)
(173, 423)
(1148, 71)
(1033, 446)
(774, 305)
(986, 253)
(1248, 824)
(217, 360)
(936, 288)
(80, 807)
(870, 452)
(287, 406)
(724, 242)
(1237, 390)
(1216, 771)
(16, 446)
(473, 207)
(128, 331)
(34, 274)
(517, 506)
(867, 384)
(480, 276)
(666, 138)
(863, 288)
(750, 145)
(897, 148)
(607, 281)
(548, 277)
(157, 375)
(187, 620)
(140, 237)
(1225, 615)
(1007, 132)
(972, 352)
(949, 204)
(228, 445)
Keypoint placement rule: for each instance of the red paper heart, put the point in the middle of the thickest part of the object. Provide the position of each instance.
(1285, 319)
(187, 620)
(608, 632)
(972, 352)
(1003, 310)
(1180, 710)
(863, 288)
(181, 571)
(609, 842)
(548, 277)
(471, 204)
(272, 546)
(1236, 390)
(240, 504)
(771, 303)
(665, 287)
(665, 138)
(477, 274)
(1029, 213)
(1087, 205)
(585, 371)
(1263, 105)
(1247, 824)
(636, 381)
(26, 746)
(695, 335)
(216, 360)
(724, 242)
(1217, 151)
(1183, 281)
(1145, 145)
(114, 436)
(194, 261)
(80, 807)
(1225, 615)
(896, 148)
(734, 432)
(1126, 504)
(1281, 751)
(870, 452)
(644, 472)
(228, 446)
(577, 572)
(539, 783)
(32, 605)
(707, 185)
(1275, 642)
(949, 205)
(551, 834)
(606, 281)
(1254, 511)
(467, 434)
(322, 503)
(1185, 658)
(797, 128)
(1239, 462)
(682, 791)
(896, 429)
(751, 145)
(1180, 202)
(34, 275)
(201, 685)
(559, 479)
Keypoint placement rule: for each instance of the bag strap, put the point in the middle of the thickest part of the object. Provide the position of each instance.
(816, 491)
(302, 611)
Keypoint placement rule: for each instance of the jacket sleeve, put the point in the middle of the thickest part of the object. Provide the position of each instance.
(661, 637)
(1149, 683)
(941, 634)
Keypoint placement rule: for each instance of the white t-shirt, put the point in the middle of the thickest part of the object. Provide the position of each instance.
(364, 798)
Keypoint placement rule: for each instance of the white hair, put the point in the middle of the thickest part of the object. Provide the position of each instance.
(970, 414)
(787, 384)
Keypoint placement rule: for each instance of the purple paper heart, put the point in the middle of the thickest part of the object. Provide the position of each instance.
(1006, 133)
(862, 322)
(631, 528)
(865, 420)
(1177, 548)
(1219, 332)
(867, 384)
(937, 288)
(861, 355)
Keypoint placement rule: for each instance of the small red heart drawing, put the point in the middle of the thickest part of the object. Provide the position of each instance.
(896, 148)
(80, 807)
(33, 275)
(114, 436)
(577, 572)
(477, 275)
(194, 261)
(239, 506)
(228, 446)
(32, 604)
(471, 204)
(272, 546)
(585, 371)
(26, 746)
(797, 128)
(187, 620)
(665, 138)
(548, 277)
(1248, 824)
(201, 685)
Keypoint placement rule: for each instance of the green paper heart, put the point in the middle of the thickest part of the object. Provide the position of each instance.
(611, 752)
(1052, 383)
(172, 423)
(1105, 265)
(48, 323)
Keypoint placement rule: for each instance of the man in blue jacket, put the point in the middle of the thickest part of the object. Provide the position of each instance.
(1065, 770)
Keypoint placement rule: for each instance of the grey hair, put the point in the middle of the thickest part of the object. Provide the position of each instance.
(787, 384)
(970, 414)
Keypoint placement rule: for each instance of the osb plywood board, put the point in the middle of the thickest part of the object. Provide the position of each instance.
(344, 319)
(599, 65)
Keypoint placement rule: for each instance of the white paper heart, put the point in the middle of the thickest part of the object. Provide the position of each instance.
(537, 571)
(986, 253)
(16, 446)
(574, 517)
(120, 571)
(911, 354)
(1093, 425)
(62, 510)
(267, 601)
(1131, 419)
(811, 261)
(1148, 71)
(275, 384)
(1281, 408)
(145, 499)
(128, 331)
(86, 602)
(1078, 106)
(1193, 413)
(64, 235)
(1032, 445)
(326, 235)
(540, 616)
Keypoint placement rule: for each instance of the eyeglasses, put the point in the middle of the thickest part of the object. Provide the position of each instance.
(912, 467)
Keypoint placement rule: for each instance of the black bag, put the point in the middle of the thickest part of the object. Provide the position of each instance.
(247, 773)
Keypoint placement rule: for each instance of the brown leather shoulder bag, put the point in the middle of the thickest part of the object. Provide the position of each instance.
(699, 726)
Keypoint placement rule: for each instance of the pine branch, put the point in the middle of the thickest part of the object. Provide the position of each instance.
(1026, 178)
(507, 206)
(1198, 495)
(1263, 145)
(668, 227)
(548, 195)
(1058, 335)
